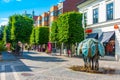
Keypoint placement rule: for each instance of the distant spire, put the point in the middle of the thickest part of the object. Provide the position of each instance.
(25, 12)
(33, 13)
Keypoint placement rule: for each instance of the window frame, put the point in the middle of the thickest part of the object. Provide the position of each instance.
(96, 14)
(85, 19)
(109, 11)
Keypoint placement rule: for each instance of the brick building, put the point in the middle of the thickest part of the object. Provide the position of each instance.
(60, 8)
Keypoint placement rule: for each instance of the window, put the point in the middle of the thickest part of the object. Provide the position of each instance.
(39, 21)
(85, 19)
(59, 11)
(46, 18)
(95, 15)
(54, 13)
(42, 19)
(109, 11)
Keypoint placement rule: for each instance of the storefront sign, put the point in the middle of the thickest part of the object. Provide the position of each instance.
(116, 26)
(88, 31)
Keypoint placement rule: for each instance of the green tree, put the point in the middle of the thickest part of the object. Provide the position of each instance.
(53, 32)
(6, 34)
(70, 28)
(32, 36)
(42, 35)
(21, 28)
(1, 32)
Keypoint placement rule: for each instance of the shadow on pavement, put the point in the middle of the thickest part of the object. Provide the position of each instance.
(42, 58)
(11, 63)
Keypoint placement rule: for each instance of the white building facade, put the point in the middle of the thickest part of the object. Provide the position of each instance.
(103, 18)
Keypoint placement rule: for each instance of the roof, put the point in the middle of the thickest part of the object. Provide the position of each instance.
(35, 18)
(81, 1)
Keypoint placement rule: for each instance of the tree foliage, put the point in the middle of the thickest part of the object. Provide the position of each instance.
(70, 27)
(53, 32)
(6, 34)
(32, 36)
(1, 32)
(42, 35)
(21, 28)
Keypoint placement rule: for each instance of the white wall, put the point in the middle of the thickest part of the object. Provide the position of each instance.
(89, 16)
(117, 9)
(117, 44)
(102, 12)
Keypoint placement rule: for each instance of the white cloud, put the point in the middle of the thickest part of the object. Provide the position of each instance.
(18, 0)
(6, 1)
(3, 21)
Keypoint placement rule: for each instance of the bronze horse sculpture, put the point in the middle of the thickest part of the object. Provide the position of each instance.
(91, 49)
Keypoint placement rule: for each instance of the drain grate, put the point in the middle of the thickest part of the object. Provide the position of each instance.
(27, 74)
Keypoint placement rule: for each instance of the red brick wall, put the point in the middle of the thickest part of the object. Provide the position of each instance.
(70, 5)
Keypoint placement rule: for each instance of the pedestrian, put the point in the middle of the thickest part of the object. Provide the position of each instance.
(69, 53)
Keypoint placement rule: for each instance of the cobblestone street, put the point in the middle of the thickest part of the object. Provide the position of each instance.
(41, 66)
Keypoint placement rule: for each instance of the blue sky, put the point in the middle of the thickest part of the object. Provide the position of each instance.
(10, 7)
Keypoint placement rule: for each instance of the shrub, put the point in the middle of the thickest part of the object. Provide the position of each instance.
(2, 47)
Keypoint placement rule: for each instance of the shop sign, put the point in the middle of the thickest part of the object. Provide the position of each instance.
(116, 26)
(88, 31)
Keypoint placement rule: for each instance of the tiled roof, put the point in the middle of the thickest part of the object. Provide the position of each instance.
(81, 1)
(35, 18)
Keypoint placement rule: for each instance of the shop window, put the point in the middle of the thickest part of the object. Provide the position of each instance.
(110, 48)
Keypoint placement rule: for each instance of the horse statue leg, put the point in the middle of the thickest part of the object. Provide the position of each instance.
(97, 62)
(85, 60)
(97, 58)
(89, 63)
(92, 59)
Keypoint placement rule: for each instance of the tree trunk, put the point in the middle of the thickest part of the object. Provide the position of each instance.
(61, 50)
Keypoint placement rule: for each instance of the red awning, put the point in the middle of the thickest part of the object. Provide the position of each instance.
(88, 31)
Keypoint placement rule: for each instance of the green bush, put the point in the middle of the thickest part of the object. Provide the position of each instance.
(2, 47)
